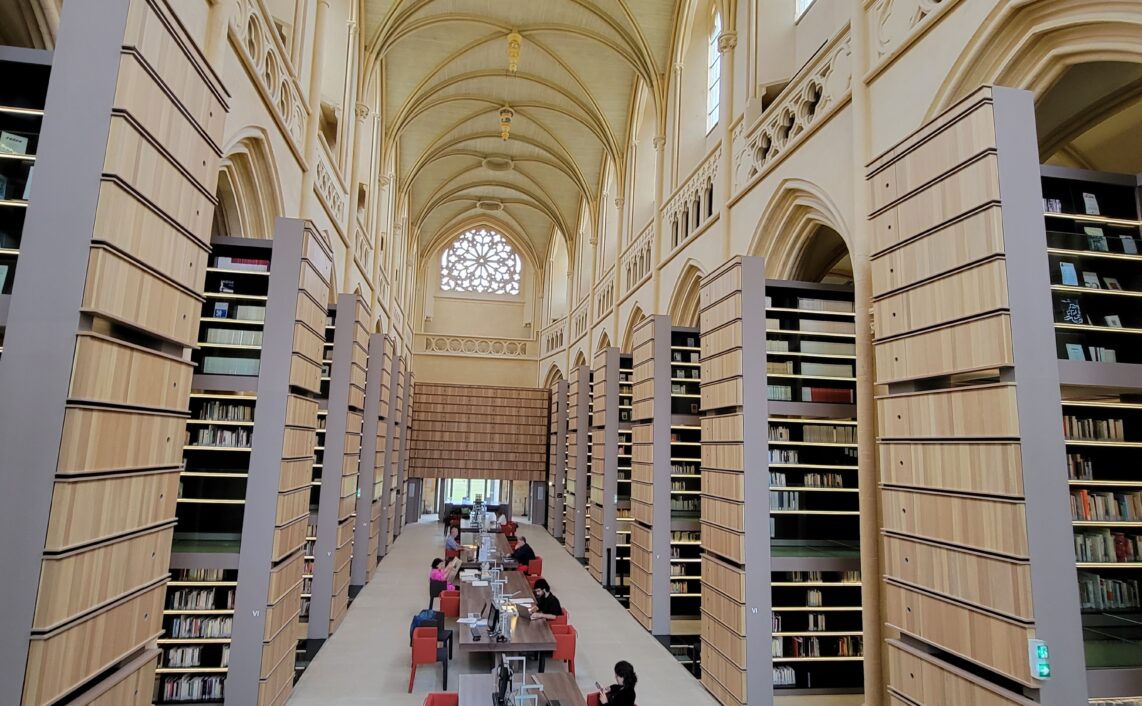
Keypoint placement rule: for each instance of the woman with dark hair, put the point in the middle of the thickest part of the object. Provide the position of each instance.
(440, 572)
(621, 692)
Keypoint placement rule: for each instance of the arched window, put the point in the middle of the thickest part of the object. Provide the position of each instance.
(713, 73)
(480, 260)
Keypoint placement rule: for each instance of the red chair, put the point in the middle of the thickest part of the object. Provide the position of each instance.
(450, 554)
(535, 566)
(565, 647)
(563, 619)
(531, 581)
(425, 651)
(560, 629)
(442, 698)
(450, 604)
(592, 699)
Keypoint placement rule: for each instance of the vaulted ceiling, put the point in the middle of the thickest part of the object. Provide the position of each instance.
(445, 78)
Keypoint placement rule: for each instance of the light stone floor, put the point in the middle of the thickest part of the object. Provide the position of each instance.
(367, 661)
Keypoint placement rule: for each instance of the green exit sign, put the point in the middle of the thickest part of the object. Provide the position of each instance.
(1040, 658)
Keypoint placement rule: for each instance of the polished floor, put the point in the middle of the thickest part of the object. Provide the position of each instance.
(367, 661)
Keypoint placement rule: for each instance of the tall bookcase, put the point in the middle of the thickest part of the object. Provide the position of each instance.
(334, 496)
(578, 461)
(370, 485)
(386, 446)
(99, 313)
(405, 516)
(609, 417)
(973, 467)
(623, 519)
(396, 446)
(1093, 234)
(557, 460)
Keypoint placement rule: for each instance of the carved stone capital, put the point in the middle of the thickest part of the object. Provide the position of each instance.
(659, 141)
(727, 41)
(678, 68)
(619, 202)
(362, 111)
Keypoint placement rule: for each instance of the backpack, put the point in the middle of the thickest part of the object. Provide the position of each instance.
(424, 619)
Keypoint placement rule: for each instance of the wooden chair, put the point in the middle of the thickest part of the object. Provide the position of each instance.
(425, 651)
(442, 698)
(565, 647)
(450, 604)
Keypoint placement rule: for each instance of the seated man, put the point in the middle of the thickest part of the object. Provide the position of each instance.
(546, 606)
(523, 552)
(452, 542)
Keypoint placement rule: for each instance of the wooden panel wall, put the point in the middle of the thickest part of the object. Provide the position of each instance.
(642, 471)
(475, 431)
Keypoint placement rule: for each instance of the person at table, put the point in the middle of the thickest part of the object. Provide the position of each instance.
(452, 541)
(523, 553)
(546, 605)
(441, 572)
(621, 693)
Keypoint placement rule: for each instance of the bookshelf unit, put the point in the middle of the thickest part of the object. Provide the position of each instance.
(610, 416)
(403, 516)
(578, 461)
(623, 519)
(1092, 223)
(796, 562)
(347, 337)
(98, 318)
(370, 485)
(385, 443)
(396, 445)
(557, 460)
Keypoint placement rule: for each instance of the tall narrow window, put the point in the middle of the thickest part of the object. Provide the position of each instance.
(480, 260)
(713, 74)
(802, 6)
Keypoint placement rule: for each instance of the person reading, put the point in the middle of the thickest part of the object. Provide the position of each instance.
(621, 693)
(443, 573)
(546, 606)
(523, 553)
(452, 541)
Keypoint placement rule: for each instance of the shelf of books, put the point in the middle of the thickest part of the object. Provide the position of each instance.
(557, 459)
(385, 447)
(592, 480)
(623, 519)
(396, 446)
(370, 484)
(610, 420)
(333, 499)
(685, 558)
(574, 499)
(796, 564)
(22, 103)
(406, 415)
(649, 590)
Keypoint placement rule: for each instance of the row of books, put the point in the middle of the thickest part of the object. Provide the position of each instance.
(678, 570)
(198, 575)
(1101, 593)
(1108, 547)
(810, 480)
(1079, 467)
(248, 264)
(240, 312)
(684, 504)
(816, 622)
(684, 357)
(679, 485)
(215, 410)
(784, 676)
(677, 587)
(783, 456)
(784, 500)
(232, 336)
(816, 577)
(685, 536)
(777, 345)
(222, 436)
(200, 599)
(829, 434)
(190, 627)
(222, 365)
(1113, 507)
(191, 688)
(1069, 273)
(814, 598)
(684, 468)
(687, 371)
(1079, 428)
(834, 395)
(1069, 310)
(811, 647)
(190, 656)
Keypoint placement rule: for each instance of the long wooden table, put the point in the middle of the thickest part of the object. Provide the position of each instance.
(526, 635)
(470, 559)
(476, 689)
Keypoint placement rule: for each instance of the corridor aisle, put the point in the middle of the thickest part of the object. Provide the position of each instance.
(367, 661)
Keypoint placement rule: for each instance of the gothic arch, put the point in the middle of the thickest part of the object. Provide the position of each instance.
(684, 303)
(791, 219)
(636, 317)
(604, 342)
(249, 189)
(554, 375)
(580, 359)
(1030, 43)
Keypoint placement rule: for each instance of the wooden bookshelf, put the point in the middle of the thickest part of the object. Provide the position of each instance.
(98, 315)
(557, 460)
(397, 441)
(371, 474)
(337, 459)
(385, 447)
(610, 421)
(959, 268)
(578, 461)
(403, 515)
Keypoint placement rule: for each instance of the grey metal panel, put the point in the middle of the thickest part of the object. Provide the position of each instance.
(329, 503)
(367, 471)
(538, 502)
(1054, 583)
(661, 469)
(204, 560)
(413, 488)
(264, 479)
(24, 55)
(35, 370)
(1085, 373)
(755, 413)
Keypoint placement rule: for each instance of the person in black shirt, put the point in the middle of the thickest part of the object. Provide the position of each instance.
(621, 693)
(523, 553)
(546, 604)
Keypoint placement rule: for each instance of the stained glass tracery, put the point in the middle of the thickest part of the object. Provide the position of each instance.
(482, 261)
